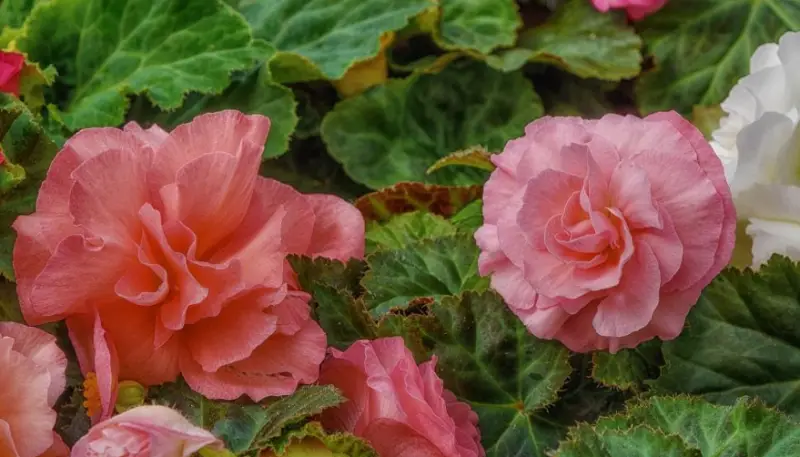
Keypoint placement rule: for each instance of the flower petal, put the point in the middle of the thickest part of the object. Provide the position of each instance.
(391, 438)
(230, 132)
(338, 229)
(40, 347)
(631, 308)
(242, 326)
(274, 368)
(114, 219)
(62, 287)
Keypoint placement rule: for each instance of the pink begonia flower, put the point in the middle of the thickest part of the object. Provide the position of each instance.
(400, 408)
(11, 64)
(166, 255)
(145, 431)
(637, 9)
(602, 234)
(31, 380)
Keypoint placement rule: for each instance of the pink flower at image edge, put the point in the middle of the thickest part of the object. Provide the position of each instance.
(602, 234)
(11, 64)
(400, 408)
(636, 9)
(166, 255)
(32, 379)
(145, 431)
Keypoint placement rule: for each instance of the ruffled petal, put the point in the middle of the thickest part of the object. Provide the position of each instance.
(54, 194)
(391, 438)
(63, 288)
(338, 229)
(38, 236)
(229, 132)
(242, 326)
(214, 193)
(631, 308)
(41, 348)
(153, 136)
(25, 414)
(114, 219)
(279, 221)
(275, 368)
(131, 330)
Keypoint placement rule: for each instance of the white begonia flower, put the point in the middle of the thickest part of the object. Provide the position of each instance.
(758, 142)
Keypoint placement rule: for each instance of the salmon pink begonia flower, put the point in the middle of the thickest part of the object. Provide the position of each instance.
(166, 255)
(602, 234)
(31, 380)
(636, 9)
(400, 408)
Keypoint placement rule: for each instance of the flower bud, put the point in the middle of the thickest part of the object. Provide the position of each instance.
(130, 395)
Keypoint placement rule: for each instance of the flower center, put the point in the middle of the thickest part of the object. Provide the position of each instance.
(91, 395)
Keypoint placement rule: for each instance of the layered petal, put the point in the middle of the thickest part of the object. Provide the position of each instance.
(274, 368)
(39, 347)
(131, 330)
(62, 288)
(166, 254)
(400, 408)
(146, 431)
(26, 418)
(614, 220)
(228, 132)
(55, 191)
(338, 229)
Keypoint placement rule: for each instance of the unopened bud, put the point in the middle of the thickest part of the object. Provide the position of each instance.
(130, 394)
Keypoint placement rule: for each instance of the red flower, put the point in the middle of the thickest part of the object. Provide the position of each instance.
(11, 64)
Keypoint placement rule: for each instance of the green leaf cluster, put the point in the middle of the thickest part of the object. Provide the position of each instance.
(249, 429)
(686, 427)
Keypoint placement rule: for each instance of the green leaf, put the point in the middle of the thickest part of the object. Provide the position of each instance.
(629, 368)
(405, 229)
(742, 338)
(334, 287)
(162, 48)
(253, 93)
(312, 441)
(397, 131)
(588, 98)
(320, 39)
(475, 156)
(412, 196)
(428, 268)
(488, 358)
(25, 144)
(745, 429)
(581, 40)
(636, 442)
(72, 421)
(12, 16)
(342, 276)
(309, 169)
(480, 25)
(470, 218)
(246, 428)
(702, 47)
(33, 80)
(14, 12)
(305, 402)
